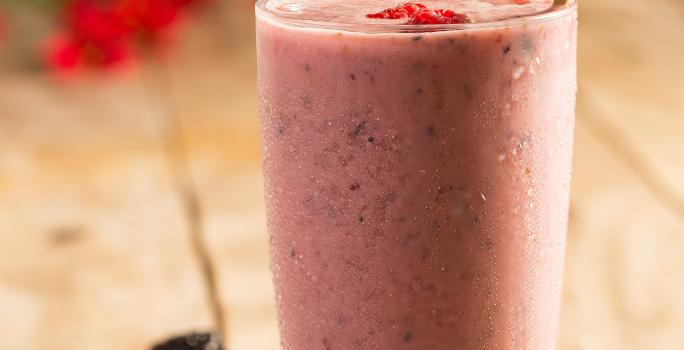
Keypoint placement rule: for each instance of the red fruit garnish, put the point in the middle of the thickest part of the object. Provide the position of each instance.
(406, 10)
(417, 13)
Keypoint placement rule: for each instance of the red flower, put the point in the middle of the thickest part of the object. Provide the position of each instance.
(148, 15)
(103, 32)
(94, 21)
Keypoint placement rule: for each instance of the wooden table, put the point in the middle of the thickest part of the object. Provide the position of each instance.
(120, 225)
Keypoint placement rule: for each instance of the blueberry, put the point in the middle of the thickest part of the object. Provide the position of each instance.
(193, 341)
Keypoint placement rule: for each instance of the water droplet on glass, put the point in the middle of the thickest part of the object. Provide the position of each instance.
(518, 73)
(501, 157)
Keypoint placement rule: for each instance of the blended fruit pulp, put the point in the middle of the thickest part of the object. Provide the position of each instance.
(417, 183)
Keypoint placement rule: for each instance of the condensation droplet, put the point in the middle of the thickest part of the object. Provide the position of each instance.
(501, 157)
(518, 73)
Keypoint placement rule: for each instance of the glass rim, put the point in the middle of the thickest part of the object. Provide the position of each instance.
(551, 13)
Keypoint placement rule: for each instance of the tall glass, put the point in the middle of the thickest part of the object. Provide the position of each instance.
(417, 179)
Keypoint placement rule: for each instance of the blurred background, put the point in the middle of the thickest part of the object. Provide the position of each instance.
(131, 205)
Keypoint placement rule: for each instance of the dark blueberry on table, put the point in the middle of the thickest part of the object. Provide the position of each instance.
(507, 49)
(194, 341)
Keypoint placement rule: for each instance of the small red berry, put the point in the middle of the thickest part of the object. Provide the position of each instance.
(420, 14)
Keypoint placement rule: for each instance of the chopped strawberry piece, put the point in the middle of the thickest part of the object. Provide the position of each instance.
(417, 13)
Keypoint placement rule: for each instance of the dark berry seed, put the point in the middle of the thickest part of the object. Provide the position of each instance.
(468, 91)
(360, 218)
(418, 38)
(430, 130)
(371, 139)
(355, 186)
(352, 76)
(507, 49)
(408, 336)
(359, 128)
(307, 101)
(326, 344)
(370, 76)
(527, 43)
(341, 320)
(307, 67)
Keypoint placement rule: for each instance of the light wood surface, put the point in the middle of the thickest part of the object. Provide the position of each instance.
(102, 248)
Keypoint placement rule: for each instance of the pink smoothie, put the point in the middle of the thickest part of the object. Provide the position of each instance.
(417, 181)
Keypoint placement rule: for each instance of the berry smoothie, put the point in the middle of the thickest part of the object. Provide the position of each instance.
(417, 176)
